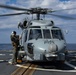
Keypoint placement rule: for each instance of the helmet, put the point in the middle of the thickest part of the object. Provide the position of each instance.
(13, 32)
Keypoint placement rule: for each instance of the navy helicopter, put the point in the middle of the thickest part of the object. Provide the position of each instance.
(40, 40)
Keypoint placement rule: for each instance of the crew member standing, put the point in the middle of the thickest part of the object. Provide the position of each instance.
(15, 43)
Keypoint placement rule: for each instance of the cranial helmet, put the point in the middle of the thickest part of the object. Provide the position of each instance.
(13, 32)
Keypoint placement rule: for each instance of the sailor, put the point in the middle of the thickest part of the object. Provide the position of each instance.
(15, 43)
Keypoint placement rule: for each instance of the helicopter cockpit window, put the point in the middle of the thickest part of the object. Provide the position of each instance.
(35, 34)
(46, 33)
(57, 34)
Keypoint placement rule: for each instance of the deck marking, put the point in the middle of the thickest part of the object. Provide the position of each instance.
(45, 69)
(11, 54)
(70, 65)
(5, 54)
(3, 60)
(2, 54)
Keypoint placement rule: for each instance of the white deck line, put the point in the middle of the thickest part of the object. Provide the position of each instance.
(2, 54)
(1, 60)
(11, 54)
(45, 69)
(5, 54)
(70, 65)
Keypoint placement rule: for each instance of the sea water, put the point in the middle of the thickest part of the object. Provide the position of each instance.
(6, 47)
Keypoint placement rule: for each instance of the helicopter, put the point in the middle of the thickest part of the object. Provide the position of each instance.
(40, 40)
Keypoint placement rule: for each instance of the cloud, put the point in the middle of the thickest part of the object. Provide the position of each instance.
(12, 21)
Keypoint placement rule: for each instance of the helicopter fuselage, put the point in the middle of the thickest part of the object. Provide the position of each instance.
(41, 41)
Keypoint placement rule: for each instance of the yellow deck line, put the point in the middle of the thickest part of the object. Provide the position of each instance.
(45, 69)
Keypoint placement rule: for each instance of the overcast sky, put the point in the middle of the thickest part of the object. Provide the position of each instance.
(8, 24)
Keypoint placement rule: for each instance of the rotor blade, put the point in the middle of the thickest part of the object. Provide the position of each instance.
(63, 17)
(14, 14)
(13, 7)
(51, 10)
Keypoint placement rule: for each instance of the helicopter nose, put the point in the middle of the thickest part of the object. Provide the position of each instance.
(52, 47)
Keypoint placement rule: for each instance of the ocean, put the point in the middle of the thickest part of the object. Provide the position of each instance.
(9, 47)
(6, 47)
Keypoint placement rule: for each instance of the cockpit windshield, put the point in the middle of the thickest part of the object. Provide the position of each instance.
(46, 34)
(35, 34)
(57, 34)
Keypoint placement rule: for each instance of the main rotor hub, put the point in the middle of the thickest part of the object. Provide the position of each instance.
(38, 11)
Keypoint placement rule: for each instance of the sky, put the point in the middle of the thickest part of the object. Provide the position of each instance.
(9, 24)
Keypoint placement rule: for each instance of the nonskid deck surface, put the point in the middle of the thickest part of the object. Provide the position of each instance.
(33, 67)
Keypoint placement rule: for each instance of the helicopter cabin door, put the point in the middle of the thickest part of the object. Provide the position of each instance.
(29, 43)
(26, 44)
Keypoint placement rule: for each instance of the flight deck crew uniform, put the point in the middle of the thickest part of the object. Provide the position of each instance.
(15, 43)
